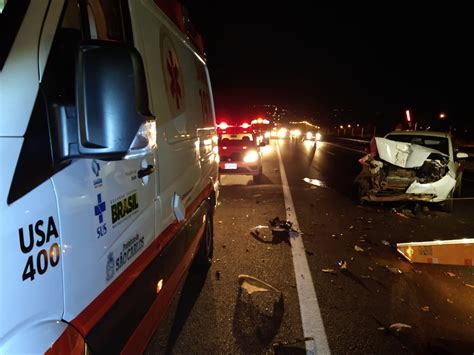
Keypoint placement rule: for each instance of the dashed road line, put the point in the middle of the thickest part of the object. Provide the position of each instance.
(351, 149)
(311, 319)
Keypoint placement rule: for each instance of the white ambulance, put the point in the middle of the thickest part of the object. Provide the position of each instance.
(108, 180)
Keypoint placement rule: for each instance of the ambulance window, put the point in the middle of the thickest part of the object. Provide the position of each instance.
(11, 17)
(109, 20)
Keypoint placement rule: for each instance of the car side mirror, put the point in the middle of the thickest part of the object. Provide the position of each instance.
(110, 118)
(461, 155)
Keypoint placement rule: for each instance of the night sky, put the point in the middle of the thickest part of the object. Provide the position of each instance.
(315, 58)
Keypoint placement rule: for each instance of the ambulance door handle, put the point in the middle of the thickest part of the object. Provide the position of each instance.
(147, 171)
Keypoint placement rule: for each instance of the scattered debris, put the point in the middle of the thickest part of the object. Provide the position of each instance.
(315, 182)
(275, 170)
(278, 225)
(469, 285)
(257, 195)
(397, 327)
(358, 249)
(425, 308)
(220, 222)
(333, 235)
(351, 227)
(384, 242)
(365, 277)
(218, 275)
(329, 271)
(342, 264)
(394, 270)
(370, 268)
(450, 274)
(310, 253)
(449, 300)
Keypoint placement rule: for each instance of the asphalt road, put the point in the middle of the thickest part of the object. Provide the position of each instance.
(214, 314)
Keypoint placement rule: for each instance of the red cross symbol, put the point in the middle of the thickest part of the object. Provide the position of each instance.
(173, 71)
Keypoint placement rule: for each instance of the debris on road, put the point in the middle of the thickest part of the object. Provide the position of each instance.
(249, 284)
(384, 242)
(257, 195)
(218, 275)
(449, 301)
(397, 327)
(315, 182)
(358, 249)
(450, 274)
(282, 345)
(351, 227)
(425, 308)
(394, 270)
(447, 252)
(342, 264)
(329, 271)
(469, 285)
(278, 225)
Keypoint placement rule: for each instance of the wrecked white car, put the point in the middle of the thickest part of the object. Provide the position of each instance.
(411, 166)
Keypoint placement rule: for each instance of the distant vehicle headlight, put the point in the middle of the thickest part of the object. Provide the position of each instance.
(282, 133)
(318, 136)
(267, 134)
(251, 157)
(295, 133)
(309, 135)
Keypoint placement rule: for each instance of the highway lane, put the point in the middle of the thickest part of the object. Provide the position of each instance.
(356, 303)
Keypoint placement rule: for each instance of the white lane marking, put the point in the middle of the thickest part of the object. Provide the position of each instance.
(341, 146)
(329, 152)
(311, 319)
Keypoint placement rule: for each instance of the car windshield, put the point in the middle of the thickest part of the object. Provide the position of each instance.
(433, 142)
(238, 139)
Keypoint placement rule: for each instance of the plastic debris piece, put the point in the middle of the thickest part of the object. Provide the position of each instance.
(342, 264)
(257, 195)
(296, 341)
(394, 270)
(449, 300)
(252, 284)
(329, 271)
(218, 275)
(469, 285)
(358, 249)
(333, 235)
(351, 227)
(399, 326)
(384, 242)
(451, 274)
(425, 308)
(364, 276)
(370, 268)
(315, 182)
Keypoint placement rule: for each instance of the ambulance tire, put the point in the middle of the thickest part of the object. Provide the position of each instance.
(203, 259)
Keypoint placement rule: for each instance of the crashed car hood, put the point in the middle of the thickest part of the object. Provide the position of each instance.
(404, 155)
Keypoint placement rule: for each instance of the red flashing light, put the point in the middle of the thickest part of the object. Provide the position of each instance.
(245, 125)
(223, 125)
(408, 115)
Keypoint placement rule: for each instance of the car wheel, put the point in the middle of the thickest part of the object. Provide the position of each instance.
(203, 259)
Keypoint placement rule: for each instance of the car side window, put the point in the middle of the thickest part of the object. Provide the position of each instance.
(109, 20)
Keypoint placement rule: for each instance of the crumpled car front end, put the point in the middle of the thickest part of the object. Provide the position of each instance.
(399, 171)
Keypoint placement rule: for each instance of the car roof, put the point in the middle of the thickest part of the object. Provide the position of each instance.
(421, 133)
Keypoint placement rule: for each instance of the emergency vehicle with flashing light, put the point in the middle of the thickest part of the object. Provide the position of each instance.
(109, 182)
(239, 151)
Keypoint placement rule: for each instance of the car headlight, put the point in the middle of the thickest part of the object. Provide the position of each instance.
(318, 136)
(251, 156)
(309, 135)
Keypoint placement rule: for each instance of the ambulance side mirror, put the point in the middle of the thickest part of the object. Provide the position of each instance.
(111, 98)
(109, 117)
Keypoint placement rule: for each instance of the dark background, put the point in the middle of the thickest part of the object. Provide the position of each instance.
(373, 61)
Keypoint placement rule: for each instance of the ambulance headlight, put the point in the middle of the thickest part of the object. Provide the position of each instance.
(251, 157)
(309, 135)
(144, 141)
(318, 136)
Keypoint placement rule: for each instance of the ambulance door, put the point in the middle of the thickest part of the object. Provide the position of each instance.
(106, 211)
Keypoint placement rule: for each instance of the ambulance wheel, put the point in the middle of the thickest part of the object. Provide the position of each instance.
(204, 254)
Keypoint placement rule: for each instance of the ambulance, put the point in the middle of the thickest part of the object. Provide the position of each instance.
(109, 171)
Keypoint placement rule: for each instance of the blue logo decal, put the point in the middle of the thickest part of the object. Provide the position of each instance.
(110, 270)
(95, 167)
(99, 209)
